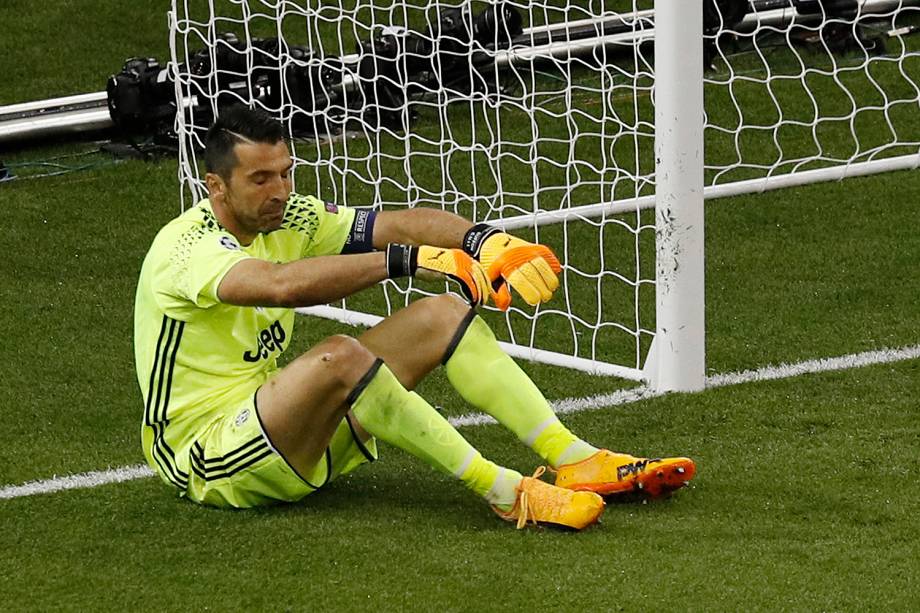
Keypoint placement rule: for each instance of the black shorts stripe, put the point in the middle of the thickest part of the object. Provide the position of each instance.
(255, 402)
(220, 467)
(165, 468)
(199, 450)
(354, 436)
(328, 471)
(214, 476)
(166, 457)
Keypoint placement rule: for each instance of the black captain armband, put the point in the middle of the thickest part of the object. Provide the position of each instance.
(361, 236)
(476, 236)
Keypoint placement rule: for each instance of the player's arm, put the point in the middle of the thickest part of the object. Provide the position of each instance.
(322, 279)
(420, 226)
(305, 282)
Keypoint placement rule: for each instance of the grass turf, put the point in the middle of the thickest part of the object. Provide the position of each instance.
(804, 499)
(801, 504)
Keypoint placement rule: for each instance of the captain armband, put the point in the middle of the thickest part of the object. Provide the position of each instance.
(361, 236)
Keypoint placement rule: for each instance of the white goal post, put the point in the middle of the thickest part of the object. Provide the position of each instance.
(581, 125)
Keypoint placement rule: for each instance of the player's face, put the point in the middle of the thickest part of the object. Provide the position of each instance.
(259, 186)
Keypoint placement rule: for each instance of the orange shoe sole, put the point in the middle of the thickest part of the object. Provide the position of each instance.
(656, 481)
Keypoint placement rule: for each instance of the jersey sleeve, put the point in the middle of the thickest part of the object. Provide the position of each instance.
(198, 263)
(325, 227)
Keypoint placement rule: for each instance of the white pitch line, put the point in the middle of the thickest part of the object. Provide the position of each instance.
(561, 407)
(767, 373)
(783, 371)
(72, 482)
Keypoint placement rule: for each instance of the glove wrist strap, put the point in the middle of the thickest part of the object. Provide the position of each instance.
(402, 260)
(476, 236)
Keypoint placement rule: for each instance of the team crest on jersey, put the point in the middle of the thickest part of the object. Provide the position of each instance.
(242, 418)
(228, 243)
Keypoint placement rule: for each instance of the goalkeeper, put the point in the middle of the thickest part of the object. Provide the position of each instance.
(226, 427)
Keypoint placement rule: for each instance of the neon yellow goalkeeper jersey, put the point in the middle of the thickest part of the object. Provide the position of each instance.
(192, 353)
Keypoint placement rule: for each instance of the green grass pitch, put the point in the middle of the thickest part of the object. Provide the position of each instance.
(806, 497)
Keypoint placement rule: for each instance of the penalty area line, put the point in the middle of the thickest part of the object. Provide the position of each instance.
(561, 407)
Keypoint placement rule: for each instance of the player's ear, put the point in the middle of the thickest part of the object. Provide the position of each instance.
(217, 187)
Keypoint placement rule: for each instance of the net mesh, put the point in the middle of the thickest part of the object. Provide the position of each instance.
(513, 120)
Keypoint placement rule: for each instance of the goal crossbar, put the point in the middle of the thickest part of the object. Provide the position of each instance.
(712, 192)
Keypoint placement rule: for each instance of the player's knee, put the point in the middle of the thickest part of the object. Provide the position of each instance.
(442, 314)
(345, 359)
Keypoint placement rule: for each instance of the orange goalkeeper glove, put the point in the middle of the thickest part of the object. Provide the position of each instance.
(531, 269)
(407, 260)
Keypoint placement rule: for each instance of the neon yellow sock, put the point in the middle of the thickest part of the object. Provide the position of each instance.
(489, 380)
(404, 419)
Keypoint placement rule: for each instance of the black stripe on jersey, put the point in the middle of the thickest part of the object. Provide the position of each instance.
(161, 370)
(153, 371)
(158, 401)
(172, 367)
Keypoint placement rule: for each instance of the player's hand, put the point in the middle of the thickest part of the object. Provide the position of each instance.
(531, 269)
(438, 262)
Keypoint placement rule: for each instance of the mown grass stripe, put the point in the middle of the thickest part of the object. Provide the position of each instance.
(569, 405)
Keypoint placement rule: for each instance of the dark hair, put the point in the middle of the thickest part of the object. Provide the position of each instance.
(237, 124)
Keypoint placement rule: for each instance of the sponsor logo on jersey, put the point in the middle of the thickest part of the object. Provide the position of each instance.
(228, 243)
(267, 341)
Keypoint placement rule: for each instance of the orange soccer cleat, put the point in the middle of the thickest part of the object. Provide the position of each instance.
(618, 474)
(539, 502)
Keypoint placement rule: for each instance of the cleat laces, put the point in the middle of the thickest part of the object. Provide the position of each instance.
(526, 512)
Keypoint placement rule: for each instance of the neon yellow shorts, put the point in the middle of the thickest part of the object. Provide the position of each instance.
(232, 462)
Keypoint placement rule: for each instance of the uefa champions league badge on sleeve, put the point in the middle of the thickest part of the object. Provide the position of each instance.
(228, 243)
(332, 208)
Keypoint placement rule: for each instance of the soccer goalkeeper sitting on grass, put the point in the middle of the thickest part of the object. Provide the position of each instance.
(225, 427)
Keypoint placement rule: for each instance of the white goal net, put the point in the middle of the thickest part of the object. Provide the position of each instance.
(539, 116)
